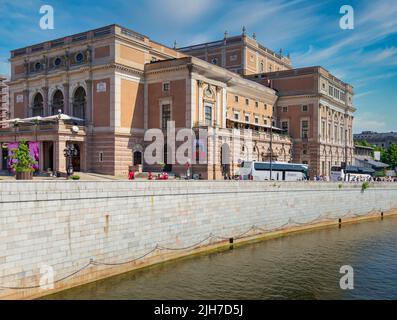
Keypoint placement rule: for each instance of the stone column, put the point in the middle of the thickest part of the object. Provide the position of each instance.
(26, 103)
(218, 94)
(66, 103)
(83, 156)
(200, 104)
(89, 110)
(46, 105)
(41, 157)
(146, 106)
(59, 158)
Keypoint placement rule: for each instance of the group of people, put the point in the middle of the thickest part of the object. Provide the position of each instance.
(359, 179)
(321, 178)
(384, 179)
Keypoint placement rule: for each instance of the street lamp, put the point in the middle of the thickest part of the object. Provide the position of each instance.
(16, 128)
(69, 152)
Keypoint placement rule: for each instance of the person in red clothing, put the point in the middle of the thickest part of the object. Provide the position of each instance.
(131, 174)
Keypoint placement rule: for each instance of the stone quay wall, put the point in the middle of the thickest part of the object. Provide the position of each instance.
(75, 232)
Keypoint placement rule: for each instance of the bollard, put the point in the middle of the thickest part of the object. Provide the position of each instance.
(231, 242)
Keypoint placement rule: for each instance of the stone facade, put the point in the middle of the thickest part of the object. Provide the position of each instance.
(122, 84)
(317, 110)
(65, 225)
(119, 83)
(4, 101)
(241, 54)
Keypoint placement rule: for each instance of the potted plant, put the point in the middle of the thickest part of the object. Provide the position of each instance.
(24, 163)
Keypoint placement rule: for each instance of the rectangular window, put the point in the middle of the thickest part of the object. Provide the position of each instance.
(100, 156)
(256, 120)
(256, 104)
(265, 121)
(329, 131)
(305, 129)
(247, 102)
(331, 90)
(284, 125)
(247, 118)
(341, 134)
(236, 116)
(265, 106)
(236, 99)
(165, 115)
(336, 133)
(305, 108)
(285, 109)
(166, 86)
(323, 129)
(208, 116)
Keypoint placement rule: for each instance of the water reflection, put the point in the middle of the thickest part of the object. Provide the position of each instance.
(300, 266)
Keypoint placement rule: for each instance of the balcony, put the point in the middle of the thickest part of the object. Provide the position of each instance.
(49, 125)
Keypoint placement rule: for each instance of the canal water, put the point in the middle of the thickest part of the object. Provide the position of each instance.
(299, 266)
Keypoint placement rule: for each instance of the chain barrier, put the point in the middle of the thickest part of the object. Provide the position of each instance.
(194, 246)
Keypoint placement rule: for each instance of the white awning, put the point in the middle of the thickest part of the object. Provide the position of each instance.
(255, 125)
(33, 120)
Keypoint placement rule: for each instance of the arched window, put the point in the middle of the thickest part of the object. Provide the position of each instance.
(79, 103)
(38, 106)
(57, 102)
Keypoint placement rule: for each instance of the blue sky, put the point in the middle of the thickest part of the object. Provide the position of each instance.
(309, 30)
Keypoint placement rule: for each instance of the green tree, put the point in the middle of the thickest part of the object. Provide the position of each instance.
(390, 156)
(24, 162)
(363, 143)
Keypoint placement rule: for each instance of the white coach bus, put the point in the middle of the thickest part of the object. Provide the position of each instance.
(351, 173)
(260, 171)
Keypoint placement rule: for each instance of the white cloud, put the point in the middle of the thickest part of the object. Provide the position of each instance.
(277, 23)
(363, 94)
(181, 11)
(371, 121)
(375, 21)
(5, 68)
(198, 39)
(385, 54)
